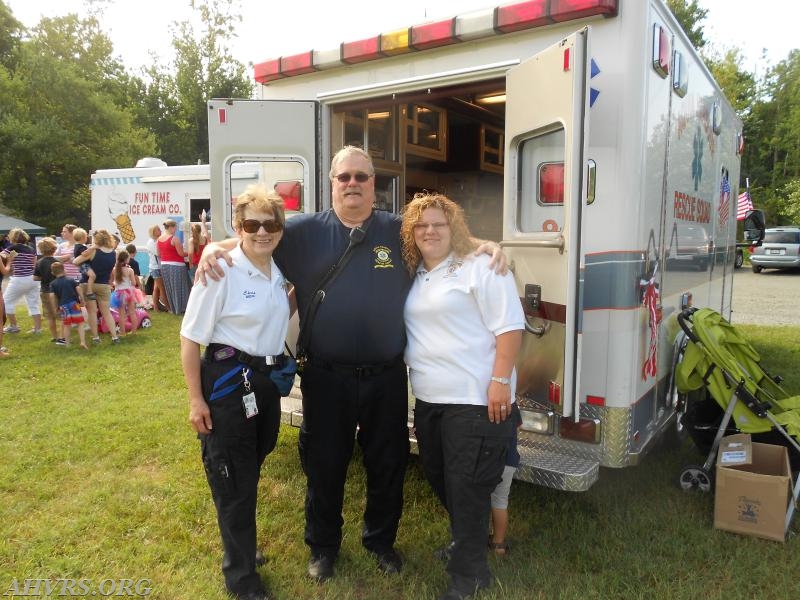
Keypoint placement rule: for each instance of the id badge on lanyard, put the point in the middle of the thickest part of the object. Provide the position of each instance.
(249, 399)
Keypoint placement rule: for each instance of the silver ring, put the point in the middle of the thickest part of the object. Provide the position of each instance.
(502, 408)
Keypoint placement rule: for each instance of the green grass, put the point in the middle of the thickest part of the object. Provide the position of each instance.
(100, 478)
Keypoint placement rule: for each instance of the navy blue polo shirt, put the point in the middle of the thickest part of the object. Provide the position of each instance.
(361, 319)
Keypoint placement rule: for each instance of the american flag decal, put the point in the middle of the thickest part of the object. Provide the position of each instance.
(724, 201)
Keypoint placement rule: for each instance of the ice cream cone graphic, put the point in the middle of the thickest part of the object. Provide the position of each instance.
(125, 228)
(118, 209)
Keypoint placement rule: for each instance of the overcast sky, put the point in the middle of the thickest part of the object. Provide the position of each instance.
(271, 28)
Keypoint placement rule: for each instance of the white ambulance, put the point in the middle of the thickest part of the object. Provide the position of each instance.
(586, 136)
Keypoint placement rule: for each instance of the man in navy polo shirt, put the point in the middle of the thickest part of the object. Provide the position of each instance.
(355, 378)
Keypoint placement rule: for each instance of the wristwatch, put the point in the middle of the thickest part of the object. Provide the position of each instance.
(502, 380)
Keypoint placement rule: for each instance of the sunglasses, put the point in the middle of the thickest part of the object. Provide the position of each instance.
(346, 177)
(252, 226)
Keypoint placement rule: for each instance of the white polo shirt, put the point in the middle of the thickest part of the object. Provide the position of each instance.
(245, 309)
(453, 314)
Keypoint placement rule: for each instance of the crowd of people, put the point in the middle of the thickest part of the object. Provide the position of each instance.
(92, 282)
(412, 297)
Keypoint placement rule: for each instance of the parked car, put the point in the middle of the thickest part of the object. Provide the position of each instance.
(779, 250)
(737, 264)
(689, 246)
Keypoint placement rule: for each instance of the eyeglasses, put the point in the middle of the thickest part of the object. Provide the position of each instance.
(436, 226)
(346, 177)
(252, 226)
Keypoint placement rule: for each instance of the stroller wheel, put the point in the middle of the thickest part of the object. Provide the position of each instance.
(694, 477)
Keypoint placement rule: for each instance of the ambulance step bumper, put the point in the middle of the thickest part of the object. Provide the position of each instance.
(292, 408)
(556, 470)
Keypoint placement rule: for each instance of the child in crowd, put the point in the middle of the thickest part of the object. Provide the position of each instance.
(68, 296)
(87, 274)
(5, 270)
(132, 262)
(125, 284)
(497, 540)
(197, 242)
(47, 248)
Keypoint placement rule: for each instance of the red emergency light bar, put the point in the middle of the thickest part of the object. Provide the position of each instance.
(268, 71)
(524, 15)
(568, 10)
(362, 50)
(506, 19)
(433, 35)
(298, 64)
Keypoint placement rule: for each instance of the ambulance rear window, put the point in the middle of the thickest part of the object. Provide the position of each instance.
(540, 193)
(551, 183)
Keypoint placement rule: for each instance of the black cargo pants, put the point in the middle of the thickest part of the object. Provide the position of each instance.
(463, 456)
(336, 401)
(232, 456)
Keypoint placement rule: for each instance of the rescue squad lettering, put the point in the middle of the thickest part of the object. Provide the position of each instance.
(154, 203)
(690, 208)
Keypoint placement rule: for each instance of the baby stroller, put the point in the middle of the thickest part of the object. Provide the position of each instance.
(741, 397)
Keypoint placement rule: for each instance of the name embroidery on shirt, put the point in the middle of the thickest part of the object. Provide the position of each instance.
(383, 257)
(248, 294)
(453, 268)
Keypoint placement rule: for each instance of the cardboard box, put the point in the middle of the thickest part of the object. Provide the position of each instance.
(753, 488)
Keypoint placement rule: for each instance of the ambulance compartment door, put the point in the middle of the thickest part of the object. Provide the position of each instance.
(274, 142)
(545, 183)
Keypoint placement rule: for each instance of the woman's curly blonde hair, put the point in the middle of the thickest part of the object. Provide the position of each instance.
(461, 239)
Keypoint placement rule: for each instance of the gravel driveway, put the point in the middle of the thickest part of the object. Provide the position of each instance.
(771, 297)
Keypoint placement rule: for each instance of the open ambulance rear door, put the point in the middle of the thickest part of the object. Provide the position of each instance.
(545, 186)
(275, 142)
(277, 139)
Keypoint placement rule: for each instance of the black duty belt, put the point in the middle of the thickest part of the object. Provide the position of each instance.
(221, 352)
(361, 371)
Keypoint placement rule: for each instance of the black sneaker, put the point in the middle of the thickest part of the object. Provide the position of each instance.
(389, 561)
(320, 568)
(61, 342)
(444, 553)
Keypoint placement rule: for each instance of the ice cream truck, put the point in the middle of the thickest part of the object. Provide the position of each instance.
(587, 137)
(127, 202)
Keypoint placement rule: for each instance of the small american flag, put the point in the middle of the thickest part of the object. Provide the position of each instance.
(724, 200)
(744, 204)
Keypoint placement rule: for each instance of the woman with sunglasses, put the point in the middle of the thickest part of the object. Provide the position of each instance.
(174, 272)
(242, 320)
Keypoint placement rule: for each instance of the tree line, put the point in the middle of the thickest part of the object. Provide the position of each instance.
(68, 106)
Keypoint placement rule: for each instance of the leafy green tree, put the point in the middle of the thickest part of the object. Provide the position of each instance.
(739, 86)
(787, 204)
(690, 15)
(60, 121)
(10, 33)
(772, 155)
(174, 101)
